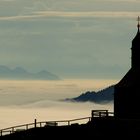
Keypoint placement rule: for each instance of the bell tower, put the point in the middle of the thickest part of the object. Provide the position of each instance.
(136, 49)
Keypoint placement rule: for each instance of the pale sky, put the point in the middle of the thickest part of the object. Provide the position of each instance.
(71, 38)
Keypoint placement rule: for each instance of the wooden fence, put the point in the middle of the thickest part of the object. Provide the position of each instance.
(94, 113)
(24, 127)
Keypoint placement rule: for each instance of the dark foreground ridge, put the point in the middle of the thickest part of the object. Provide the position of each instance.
(101, 125)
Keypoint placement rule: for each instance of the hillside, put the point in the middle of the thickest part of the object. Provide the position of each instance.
(104, 96)
(20, 73)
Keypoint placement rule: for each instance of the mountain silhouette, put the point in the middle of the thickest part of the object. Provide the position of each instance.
(20, 73)
(103, 96)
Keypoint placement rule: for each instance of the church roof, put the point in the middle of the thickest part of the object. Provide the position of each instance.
(137, 37)
(131, 79)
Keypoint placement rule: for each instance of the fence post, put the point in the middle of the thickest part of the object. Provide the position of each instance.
(100, 114)
(27, 127)
(89, 119)
(92, 113)
(40, 124)
(1, 133)
(35, 123)
(107, 113)
(12, 129)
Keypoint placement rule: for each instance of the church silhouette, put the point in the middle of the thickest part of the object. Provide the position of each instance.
(127, 91)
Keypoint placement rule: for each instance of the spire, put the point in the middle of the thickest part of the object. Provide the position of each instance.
(138, 24)
(136, 48)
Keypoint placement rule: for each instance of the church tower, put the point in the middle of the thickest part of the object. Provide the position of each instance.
(127, 91)
(136, 49)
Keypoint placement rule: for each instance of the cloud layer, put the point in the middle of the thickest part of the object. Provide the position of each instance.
(100, 14)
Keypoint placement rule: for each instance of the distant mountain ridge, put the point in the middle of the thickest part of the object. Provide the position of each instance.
(103, 96)
(20, 73)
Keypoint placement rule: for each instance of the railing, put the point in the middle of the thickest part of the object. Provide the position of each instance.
(23, 127)
(101, 113)
(94, 114)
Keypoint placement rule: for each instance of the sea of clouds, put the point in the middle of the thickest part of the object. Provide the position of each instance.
(23, 101)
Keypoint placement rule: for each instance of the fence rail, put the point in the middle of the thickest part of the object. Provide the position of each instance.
(23, 127)
(94, 113)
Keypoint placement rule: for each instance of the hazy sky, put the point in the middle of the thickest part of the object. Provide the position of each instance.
(71, 38)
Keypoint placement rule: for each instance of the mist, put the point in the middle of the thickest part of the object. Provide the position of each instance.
(23, 101)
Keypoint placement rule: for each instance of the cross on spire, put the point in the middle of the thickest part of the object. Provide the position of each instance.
(138, 24)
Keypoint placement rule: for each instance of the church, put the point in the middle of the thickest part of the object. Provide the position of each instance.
(127, 91)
